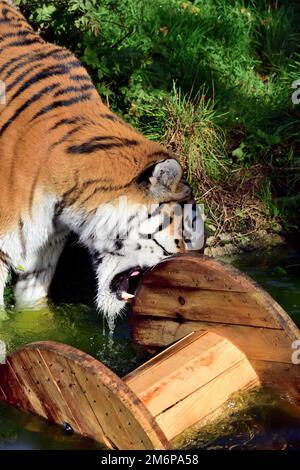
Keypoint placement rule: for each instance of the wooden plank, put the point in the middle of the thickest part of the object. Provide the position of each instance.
(26, 384)
(206, 305)
(183, 271)
(45, 388)
(167, 385)
(165, 354)
(120, 428)
(63, 376)
(257, 343)
(151, 374)
(204, 401)
(14, 390)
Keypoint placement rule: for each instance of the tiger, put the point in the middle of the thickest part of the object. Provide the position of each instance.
(66, 162)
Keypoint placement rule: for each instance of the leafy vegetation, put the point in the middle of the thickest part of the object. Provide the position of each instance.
(212, 79)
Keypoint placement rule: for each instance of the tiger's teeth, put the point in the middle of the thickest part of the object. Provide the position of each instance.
(126, 296)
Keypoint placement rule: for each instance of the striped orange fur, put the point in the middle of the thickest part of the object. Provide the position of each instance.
(63, 156)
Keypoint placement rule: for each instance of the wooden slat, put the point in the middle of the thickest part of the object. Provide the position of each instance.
(68, 387)
(194, 304)
(116, 419)
(257, 343)
(204, 401)
(183, 271)
(165, 354)
(167, 383)
(26, 385)
(13, 388)
(152, 375)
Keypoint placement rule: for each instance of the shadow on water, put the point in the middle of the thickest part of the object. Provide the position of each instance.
(71, 318)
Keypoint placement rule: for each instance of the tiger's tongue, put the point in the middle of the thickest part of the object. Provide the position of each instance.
(135, 273)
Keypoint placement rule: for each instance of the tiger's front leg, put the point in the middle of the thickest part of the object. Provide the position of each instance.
(3, 278)
(33, 284)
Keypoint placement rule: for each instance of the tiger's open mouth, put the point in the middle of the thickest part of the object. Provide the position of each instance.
(125, 283)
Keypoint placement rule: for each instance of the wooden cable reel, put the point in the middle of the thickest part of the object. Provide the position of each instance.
(230, 334)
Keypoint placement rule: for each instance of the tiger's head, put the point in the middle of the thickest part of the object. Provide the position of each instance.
(154, 219)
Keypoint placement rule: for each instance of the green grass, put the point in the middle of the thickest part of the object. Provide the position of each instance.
(211, 79)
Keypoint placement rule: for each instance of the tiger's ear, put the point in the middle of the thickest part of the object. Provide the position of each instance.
(163, 182)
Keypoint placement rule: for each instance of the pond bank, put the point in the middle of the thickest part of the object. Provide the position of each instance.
(231, 244)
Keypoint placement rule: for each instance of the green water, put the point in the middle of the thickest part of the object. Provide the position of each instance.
(267, 423)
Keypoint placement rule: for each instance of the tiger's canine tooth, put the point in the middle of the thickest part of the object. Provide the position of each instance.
(127, 296)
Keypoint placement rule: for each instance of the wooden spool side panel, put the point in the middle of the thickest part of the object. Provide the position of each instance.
(63, 384)
(190, 380)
